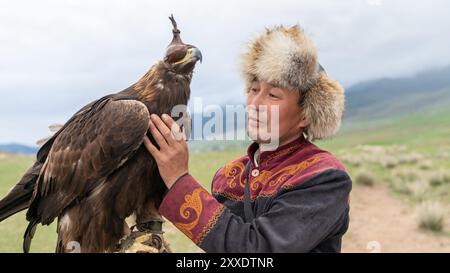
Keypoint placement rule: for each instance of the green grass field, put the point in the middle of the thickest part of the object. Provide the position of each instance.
(12, 229)
(402, 153)
(203, 166)
(417, 146)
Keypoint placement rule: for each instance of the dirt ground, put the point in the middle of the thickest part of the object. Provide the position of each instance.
(381, 222)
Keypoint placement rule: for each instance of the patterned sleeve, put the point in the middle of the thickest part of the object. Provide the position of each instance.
(297, 221)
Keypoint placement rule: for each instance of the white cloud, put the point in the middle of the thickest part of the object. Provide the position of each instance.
(55, 56)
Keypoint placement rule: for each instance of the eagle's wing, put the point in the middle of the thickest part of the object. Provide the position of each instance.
(87, 149)
(53, 129)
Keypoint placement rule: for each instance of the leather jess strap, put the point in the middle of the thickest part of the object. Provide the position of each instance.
(248, 209)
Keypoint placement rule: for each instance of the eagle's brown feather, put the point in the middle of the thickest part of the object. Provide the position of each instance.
(87, 151)
(95, 172)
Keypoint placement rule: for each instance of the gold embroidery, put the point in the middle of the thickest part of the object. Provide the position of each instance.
(265, 179)
(230, 195)
(232, 172)
(293, 169)
(194, 202)
(211, 223)
(278, 155)
(284, 175)
(260, 180)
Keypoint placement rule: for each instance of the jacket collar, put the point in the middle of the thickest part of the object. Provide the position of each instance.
(273, 157)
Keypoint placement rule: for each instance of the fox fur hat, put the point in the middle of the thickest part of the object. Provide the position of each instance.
(287, 57)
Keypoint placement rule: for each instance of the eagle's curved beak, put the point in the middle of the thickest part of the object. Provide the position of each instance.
(192, 56)
(197, 54)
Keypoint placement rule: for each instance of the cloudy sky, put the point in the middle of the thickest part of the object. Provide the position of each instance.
(56, 56)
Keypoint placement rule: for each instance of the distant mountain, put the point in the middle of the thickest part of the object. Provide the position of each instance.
(389, 97)
(375, 100)
(386, 97)
(14, 148)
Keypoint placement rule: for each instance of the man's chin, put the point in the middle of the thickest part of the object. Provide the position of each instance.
(267, 143)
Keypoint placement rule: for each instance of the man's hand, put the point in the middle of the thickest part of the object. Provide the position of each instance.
(173, 156)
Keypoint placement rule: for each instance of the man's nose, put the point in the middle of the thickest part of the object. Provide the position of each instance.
(257, 100)
(257, 108)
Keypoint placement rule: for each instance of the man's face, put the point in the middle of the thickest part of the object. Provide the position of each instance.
(273, 113)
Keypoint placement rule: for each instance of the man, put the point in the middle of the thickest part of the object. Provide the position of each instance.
(296, 198)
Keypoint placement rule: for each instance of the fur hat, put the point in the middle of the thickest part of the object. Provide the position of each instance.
(287, 57)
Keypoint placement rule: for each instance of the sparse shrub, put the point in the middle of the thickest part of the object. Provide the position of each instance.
(352, 160)
(399, 186)
(444, 154)
(389, 162)
(425, 164)
(431, 216)
(410, 158)
(372, 149)
(409, 175)
(365, 178)
(440, 178)
(419, 189)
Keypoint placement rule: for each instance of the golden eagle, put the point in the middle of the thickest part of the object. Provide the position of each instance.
(95, 172)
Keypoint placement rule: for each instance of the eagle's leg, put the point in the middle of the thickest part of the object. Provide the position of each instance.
(147, 236)
(148, 218)
(67, 241)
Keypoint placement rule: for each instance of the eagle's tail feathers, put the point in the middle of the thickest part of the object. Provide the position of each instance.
(20, 195)
(13, 206)
(28, 236)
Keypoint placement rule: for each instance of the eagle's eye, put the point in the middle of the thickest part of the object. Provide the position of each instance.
(183, 61)
(175, 54)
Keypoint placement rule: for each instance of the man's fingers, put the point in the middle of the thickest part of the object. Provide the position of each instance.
(159, 138)
(163, 128)
(177, 132)
(150, 147)
(168, 120)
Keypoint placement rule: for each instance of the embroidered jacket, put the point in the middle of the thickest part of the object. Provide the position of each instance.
(299, 195)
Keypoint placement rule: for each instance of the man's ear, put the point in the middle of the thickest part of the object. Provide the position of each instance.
(303, 121)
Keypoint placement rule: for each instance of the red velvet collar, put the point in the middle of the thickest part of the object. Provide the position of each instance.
(278, 155)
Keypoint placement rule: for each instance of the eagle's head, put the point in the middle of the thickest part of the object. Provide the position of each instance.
(168, 81)
(181, 57)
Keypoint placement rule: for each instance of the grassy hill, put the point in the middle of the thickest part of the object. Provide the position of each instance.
(395, 132)
(398, 152)
(427, 129)
(387, 98)
(203, 166)
(15, 148)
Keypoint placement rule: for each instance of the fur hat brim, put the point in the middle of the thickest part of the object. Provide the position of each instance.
(287, 57)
